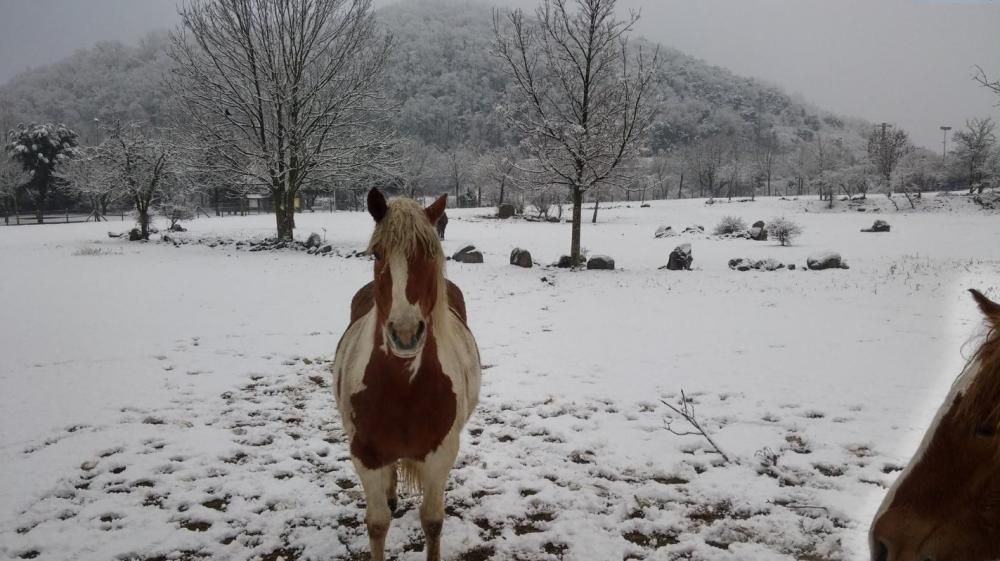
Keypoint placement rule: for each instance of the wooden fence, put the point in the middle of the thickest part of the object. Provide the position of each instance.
(53, 217)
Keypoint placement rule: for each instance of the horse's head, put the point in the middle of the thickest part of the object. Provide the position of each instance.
(409, 270)
(946, 504)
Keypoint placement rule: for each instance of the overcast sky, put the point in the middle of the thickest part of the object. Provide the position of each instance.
(903, 61)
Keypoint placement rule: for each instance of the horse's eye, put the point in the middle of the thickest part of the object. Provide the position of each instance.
(986, 430)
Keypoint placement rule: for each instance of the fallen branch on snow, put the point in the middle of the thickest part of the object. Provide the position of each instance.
(686, 411)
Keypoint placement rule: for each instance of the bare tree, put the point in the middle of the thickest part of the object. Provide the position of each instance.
(583, 102)
(706, 160)
(141, 164)
(500, 168)
(87, 177)
(12, 178)
(415, 166)
(973, 148)
(993, 85)
(459, 169)
(658, 172)
(292, 85)
(765, 150)
(885, 149)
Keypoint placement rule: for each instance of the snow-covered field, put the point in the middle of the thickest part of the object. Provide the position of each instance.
(161, 402)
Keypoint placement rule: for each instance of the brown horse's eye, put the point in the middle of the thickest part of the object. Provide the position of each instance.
(986, 430)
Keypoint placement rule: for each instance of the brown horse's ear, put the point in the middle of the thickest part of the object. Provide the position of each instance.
(436, 209)
(990, 308)
(376, 204)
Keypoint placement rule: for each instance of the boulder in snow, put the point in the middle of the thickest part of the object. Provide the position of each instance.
(826, 260)
(680, 258)
(505, 211)
(601, 262)
(521, 258)
(664, 232)
(468, 254)
(878, 226)
(758, 232)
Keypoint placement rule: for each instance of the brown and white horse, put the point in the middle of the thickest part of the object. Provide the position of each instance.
(407, 370)
(945, 506)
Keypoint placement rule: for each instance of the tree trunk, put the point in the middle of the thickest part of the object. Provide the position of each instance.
(597, 203)
(284, 213)
(680, 188)
(574, 248)
(503, 184)
(143, 208)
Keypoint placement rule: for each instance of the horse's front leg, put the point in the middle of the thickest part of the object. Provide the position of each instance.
(377, 484)
(433, 472)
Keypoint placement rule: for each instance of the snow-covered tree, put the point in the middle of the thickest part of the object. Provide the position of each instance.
(142, 165)
(973, 148)
(886, 147)
(292, 85)
(12, 178)
(87, 177)
(582, 100)
(41, 151)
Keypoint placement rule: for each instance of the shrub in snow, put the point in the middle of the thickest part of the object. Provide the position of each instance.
(784, 230)
(730, 225)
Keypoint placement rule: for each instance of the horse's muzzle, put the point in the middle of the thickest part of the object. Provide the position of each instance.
(406, 339)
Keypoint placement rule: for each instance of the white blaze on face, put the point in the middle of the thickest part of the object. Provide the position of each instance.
(403, 315)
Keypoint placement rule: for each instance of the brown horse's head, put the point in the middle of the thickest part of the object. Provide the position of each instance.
(409, 270)
(945, 506)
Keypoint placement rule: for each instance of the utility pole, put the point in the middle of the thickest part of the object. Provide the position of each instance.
(944, 144)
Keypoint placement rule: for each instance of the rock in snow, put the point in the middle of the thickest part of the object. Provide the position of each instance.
(680, 258)
(826, 260)
(878, 226)
(601, 262)
(664, 232)
(521, 258)
(468, 254)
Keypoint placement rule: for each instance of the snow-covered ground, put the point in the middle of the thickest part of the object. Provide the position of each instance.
(161, 402)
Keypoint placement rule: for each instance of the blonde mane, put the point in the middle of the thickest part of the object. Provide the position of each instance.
(406, 228)
(981, 402)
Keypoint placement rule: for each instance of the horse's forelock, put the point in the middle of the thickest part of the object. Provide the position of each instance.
(406, 228)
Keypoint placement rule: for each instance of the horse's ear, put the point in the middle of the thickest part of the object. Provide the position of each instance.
(990, 308)
(376, 204)
(436, 209)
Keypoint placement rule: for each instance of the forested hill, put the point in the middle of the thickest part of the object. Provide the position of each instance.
(442, 77)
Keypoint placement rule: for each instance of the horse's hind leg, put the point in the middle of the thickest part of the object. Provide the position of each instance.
(376, 483)
(393, 486)
(433, 473)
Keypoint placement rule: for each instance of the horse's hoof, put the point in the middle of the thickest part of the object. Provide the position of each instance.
(393, 503)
